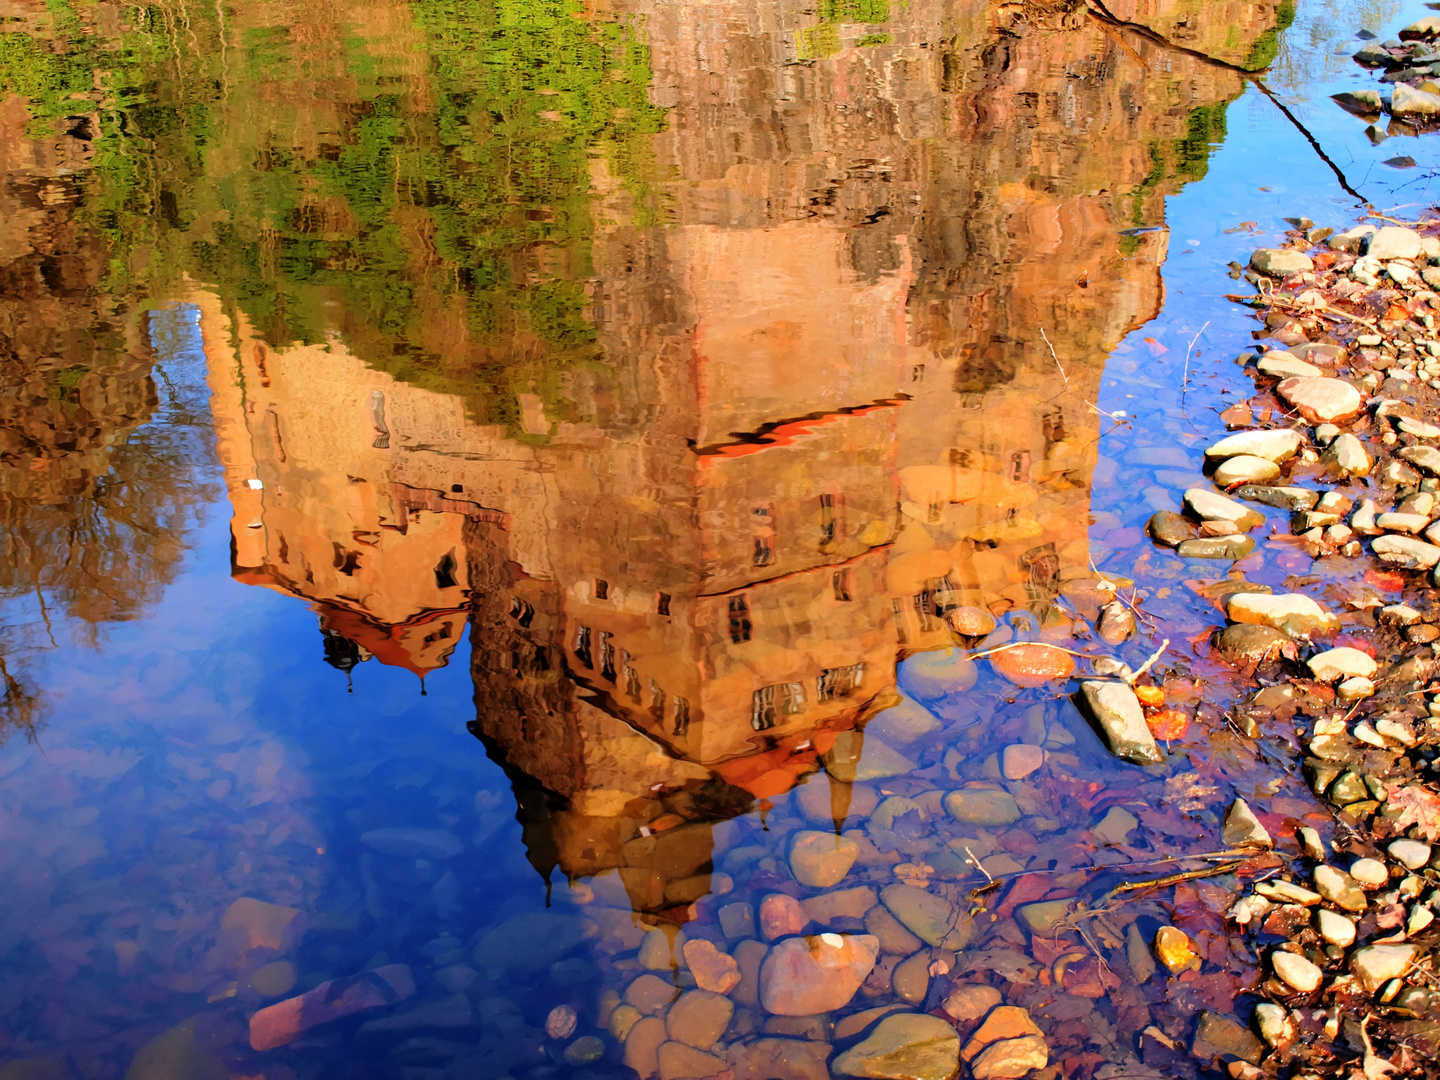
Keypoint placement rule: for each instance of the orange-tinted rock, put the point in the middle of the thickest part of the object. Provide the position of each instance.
(1033, 665)
(803, 976)
(780, 916)
(254, 924)
(1004, 1022)
(713, 969)
(287, 1020)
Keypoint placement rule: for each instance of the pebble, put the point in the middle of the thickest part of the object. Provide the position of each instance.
(1117, 623)
(1408, 101)
(1233, 547)
(254, 924)
(1243, 829)
(1282, 498)
(1297, 972)
(1412, 854)
(1355, 689)
(1280, 444)
(1321, 400)
(287, 1020)
(1337, 887)
(1169, 528)
(1116, 710)
(781, 916)
(821, 859)
(699, 1018)
(1173, 949)
(851, 903)
(968, 1001)
(713, 970)
(1370, 873)
(585, 1050)
(1142, 964)
(1275, 1025)
(1011, 1058)
(980, 806)
(1033, 665)
(929, 917)
(532, 941)
(1283, 365)
(1406, 551)
(1293, 613)
(970, 621)
(803, 976)
(1217, 1035)
(1311, 845)
(560, 1023)
(622, 1019)
(1341, 663)
(897, 806)
(904, 1046)
(1401, 523)
(1044, 917)
(1279, 262)
(274, 979)
(1210, 506)
(1375, 965)
(1245, 643)
(1020, 760)
(657, 951)
(1335, 928)
(1346, 456)
(1245, 469)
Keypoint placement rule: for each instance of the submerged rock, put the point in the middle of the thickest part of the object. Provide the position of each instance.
(933, 674)
(904, 1046)
(803, 976)
(929, 917)
(1116, 711)
(287, 1020)
(982, 806)
(821, 859)
(1243, 829)
(1216, 1035)
(1278, 262)
(1171, 529)
(1011, 1058)
(856, 757)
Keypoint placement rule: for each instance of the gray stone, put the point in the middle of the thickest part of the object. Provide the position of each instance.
(970, 1001)
(1407, 101)
(1044, 917)
(1369, 873)
(980, 806)
(904, 723)
(1279, 444)
(1321, 400)
(1346, 457)
(1169, 528)
(1245, 469)
(904, 1046)
(1278, 262)
(1116, 711)
(1217, 1035)
(1232, 547)
(699, 1018)
(1284, 365)
(1211, 506)
(1282, 498)
(1395, 241)
(1405, 551)
(1243, 829)
(1117, 623)
(1247, 644)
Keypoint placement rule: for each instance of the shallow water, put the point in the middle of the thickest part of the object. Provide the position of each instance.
(485, 476)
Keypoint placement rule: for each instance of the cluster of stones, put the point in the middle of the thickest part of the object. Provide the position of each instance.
(1412, 67)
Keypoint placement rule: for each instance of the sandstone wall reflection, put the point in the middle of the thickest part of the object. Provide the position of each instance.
(849, 384)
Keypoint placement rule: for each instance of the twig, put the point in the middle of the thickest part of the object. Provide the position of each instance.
(1189, 349)
(1175, 879)
(1055, 358)
(1148, 663)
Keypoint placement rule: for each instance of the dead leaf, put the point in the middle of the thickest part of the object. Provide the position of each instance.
(1418, 806)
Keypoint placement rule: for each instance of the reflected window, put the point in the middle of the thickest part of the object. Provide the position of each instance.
(840, 582)
(582, 647)
(520, 611)
(897, 605)
(602, 589)
(682, 716)
(792, 698)
(632, 677)
(839, 682)
(657, 701)
(346, 561)
(922, 609)
(739, 620)
(1020, 466)
(829, 523)
(607, 655)
(769, 703)
(917, 373)
(445, 571)
(764, 526)
(662, 604)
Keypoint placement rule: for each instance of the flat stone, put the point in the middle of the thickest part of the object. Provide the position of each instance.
(642, 1046)
(969, 1001)
(1338, 887)
(680, 1061)
(803, 976)
(1346, 456)
(781, 916)
(1424, 458)
(1375, 965)
(1394, 241)
(904, 1046)
(1216, 1035)
(1369, 873)
(1341, 663)
(1020, 760)
(821, 859)
(1279, 444)
(981, 806)
(1297, 972)
(904, 723)
(1033, 665)
(1421, 430)
(1282, 498)
(1321, 400)
(1243, 829)
(650, 994)
(911, 978)
(1245, 469)
(1287, 892)
(929, 675)
(287, 1020)
(1335, 928)
(532, 941)
(699, 1018)
(249, 923)
(713, 970)
(1405, 551)
(1401, 523)
(1355, 689)
(1004, 1022)
(585, 1050)
(1138, 955)
(1232, 547)
(413, 843)
(1412, 854)
(657, 951)
(1011, 1058)
(1210, 506)
(929, 917)
(1169, 528)
(851, 903)
(1116, 826)
(1284, 365)
(1174, 949)
(858, 756)
(779, 1059)
(1292, 613)
(1245, 643)
(1280, 262)
(275, 979)
(1116, 711)
(1044, 917)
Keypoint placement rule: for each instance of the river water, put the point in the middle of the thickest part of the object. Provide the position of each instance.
(480, 479)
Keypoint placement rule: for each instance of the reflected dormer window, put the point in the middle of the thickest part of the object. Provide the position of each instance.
(839, 682)
(582, 647)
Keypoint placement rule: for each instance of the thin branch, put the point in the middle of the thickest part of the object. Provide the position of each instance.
(1148, 663)
(1055, 358)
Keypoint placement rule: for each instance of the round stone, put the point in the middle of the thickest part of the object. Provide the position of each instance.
(821, 859)
(1335, 928)
(560, 1024)
(1321, 400)
(1033, 665)
(1295, 971)
(1370, 873)
(1020, 760)
(1412, 854)
(970, 621)
(1245, 469)
(803, 976)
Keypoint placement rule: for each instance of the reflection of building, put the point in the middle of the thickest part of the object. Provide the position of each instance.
(850, 385)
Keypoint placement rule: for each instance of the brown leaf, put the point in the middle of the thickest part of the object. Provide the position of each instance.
(1418, 806)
